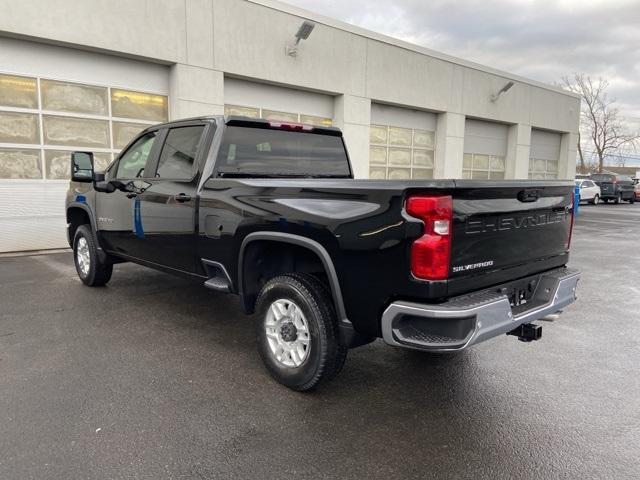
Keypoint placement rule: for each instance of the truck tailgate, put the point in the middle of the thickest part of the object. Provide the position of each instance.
(502, 225)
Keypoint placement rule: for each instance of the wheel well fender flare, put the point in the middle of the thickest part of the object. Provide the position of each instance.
(304, 242)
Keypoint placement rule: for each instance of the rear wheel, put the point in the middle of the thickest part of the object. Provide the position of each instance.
(632, 199)
(297, 331)
(91, 270)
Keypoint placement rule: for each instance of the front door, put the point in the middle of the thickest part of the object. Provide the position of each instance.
(115, 210)
(165, 214)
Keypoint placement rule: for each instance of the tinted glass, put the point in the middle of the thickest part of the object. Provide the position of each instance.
(282, 153)
(179, 153)
(133, 161)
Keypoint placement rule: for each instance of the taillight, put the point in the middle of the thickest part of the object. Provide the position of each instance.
(431, 253)
(573, 213)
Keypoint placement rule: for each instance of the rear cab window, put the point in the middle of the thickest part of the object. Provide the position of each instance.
(282, 153)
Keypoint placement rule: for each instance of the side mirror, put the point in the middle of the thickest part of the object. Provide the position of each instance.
(82, 167)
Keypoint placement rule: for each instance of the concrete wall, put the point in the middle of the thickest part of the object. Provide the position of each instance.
(204, 40)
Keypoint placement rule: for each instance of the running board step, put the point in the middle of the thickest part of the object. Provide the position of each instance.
(219, 278)
(217, 283)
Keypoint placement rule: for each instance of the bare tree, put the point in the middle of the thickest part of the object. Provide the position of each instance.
(600, 121)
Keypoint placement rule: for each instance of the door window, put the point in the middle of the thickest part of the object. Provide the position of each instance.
(178, 157)
(133, 161)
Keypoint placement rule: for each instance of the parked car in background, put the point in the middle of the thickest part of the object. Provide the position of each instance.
(615, 187)
(589, 191)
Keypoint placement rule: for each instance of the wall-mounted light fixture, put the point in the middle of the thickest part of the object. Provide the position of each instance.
(504, 89)
(303, 33)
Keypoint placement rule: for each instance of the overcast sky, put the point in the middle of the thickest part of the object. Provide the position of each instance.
(543, 40)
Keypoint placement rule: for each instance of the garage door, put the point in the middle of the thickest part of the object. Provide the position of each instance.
(485, 149)
(252, 99)
(401, 143)
(55, 100)
(544, 154)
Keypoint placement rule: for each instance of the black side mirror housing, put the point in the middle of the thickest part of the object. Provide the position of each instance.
(82, 167)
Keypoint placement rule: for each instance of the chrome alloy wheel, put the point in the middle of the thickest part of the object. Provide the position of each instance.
(287, 332)
(82, 256)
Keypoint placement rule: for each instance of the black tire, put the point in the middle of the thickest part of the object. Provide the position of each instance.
(325, 354)
(98, 273)
(596, 200)
(632, 200)
(618, 199)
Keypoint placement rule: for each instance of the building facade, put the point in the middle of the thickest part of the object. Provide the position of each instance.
(89, 74)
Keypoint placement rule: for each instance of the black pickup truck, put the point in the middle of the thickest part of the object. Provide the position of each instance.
(270, 211)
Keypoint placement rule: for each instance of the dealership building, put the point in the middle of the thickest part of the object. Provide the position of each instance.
(90, 74)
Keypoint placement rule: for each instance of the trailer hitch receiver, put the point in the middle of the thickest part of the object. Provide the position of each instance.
(527, 332)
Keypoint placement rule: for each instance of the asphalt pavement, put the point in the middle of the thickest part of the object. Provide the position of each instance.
(154, 377)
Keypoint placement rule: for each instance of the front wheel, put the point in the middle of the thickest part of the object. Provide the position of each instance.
(297, 331)
(596, 200)
(618, 199)
(91, 270)
(632, 200)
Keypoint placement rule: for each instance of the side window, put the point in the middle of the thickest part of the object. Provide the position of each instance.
(177, 160)
(133, 161)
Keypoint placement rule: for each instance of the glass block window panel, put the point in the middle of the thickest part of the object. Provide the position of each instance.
(483, 167)
(124, 132)
(57, 164)
(242, 111)
(101, 161)
(424, 138)
(411, 149)
(282, 116)
(540, 169)
(73, 97)
(19, 128)
(423, 158)
(378, 134)
(377, 173)
(422, 174)
(319, 121)
(399, 174)
(400, 136)
(378, 155)
(16, 91)
(20, 163)
(139, 105)
(399, 156)
(80, 132)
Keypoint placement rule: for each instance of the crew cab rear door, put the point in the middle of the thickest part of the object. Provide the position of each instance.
(165, 213)
(505, 224)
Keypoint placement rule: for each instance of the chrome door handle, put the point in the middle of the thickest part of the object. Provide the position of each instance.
(182, 197)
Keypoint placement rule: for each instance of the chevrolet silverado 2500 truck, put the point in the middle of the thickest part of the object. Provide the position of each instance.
(270, 211)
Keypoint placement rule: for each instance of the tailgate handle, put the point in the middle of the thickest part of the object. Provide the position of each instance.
(529, 195)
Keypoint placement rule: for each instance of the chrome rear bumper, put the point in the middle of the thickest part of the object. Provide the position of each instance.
(467, 320)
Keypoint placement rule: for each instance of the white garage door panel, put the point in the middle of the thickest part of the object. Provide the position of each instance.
(402, 117)
(485, 138)
(32, 215)
(38, 60)
(545, 145)
(81, 98)
(253, 94)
